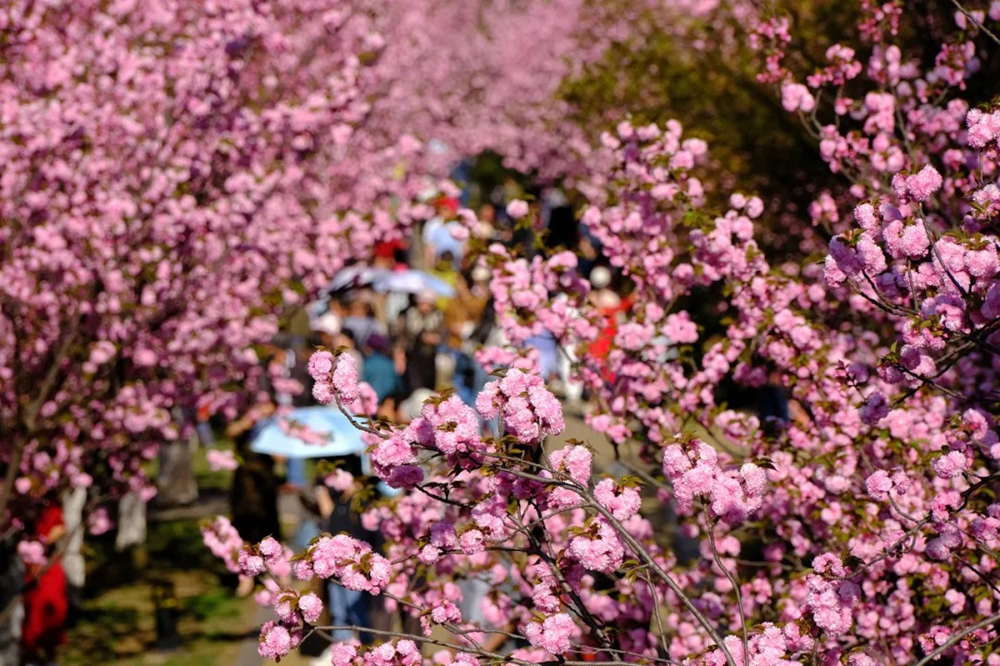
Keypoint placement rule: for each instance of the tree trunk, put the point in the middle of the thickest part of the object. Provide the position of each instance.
(176, 482)
(72, 560)
(131, 522)
(11, 579)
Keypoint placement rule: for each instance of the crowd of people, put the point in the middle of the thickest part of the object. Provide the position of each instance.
(410, 343)
(406, 345)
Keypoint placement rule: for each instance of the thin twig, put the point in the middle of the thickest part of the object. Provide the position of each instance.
(957, 638)
(976, 21)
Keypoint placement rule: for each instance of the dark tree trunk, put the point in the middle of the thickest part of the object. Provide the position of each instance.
(11, 579)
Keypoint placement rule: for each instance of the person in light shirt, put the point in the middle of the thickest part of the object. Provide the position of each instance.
(440, 233)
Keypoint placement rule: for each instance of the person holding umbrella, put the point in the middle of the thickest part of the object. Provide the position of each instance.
(254, 493)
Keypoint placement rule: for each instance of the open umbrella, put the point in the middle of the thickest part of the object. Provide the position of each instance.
(412, 282)
(356, 276)
(309, 432)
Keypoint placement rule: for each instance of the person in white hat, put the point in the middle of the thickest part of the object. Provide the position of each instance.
(601, 295)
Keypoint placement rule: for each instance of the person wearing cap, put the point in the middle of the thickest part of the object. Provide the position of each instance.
(609, 305)
(390, 255)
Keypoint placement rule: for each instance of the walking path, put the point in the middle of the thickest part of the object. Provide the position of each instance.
(248, 649)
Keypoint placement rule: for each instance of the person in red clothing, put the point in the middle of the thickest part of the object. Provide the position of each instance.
(390, 254)
(44, 600)
(609, 305)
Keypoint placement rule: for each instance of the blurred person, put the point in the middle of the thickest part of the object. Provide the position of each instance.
(550, 200)
(460, 319)
(300, 372)
(506, 192)
(438, 234)
(254, 492)
(45, 601)
(445, 271)
(203, 420)
(329, 323)
(361, 321)
(586, 254)
(503, 228)
(393, 303)
(609, 305)
(340, 515)
(389, 254)
(419, 328)
(773, 403)
(487, 213)
(562, 229)
(379, 369)
(462, 175)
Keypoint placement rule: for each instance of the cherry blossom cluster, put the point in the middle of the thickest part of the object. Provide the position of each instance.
(335, 378)
(527, 409)
(224, 541)
(350, 561)
(695, 472)
(176, 176)
(403, 652)
(879, 357)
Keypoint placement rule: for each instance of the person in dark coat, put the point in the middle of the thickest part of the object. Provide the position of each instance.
(339, 515)
(254, 496)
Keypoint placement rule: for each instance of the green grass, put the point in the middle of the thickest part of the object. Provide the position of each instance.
(118, 625)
